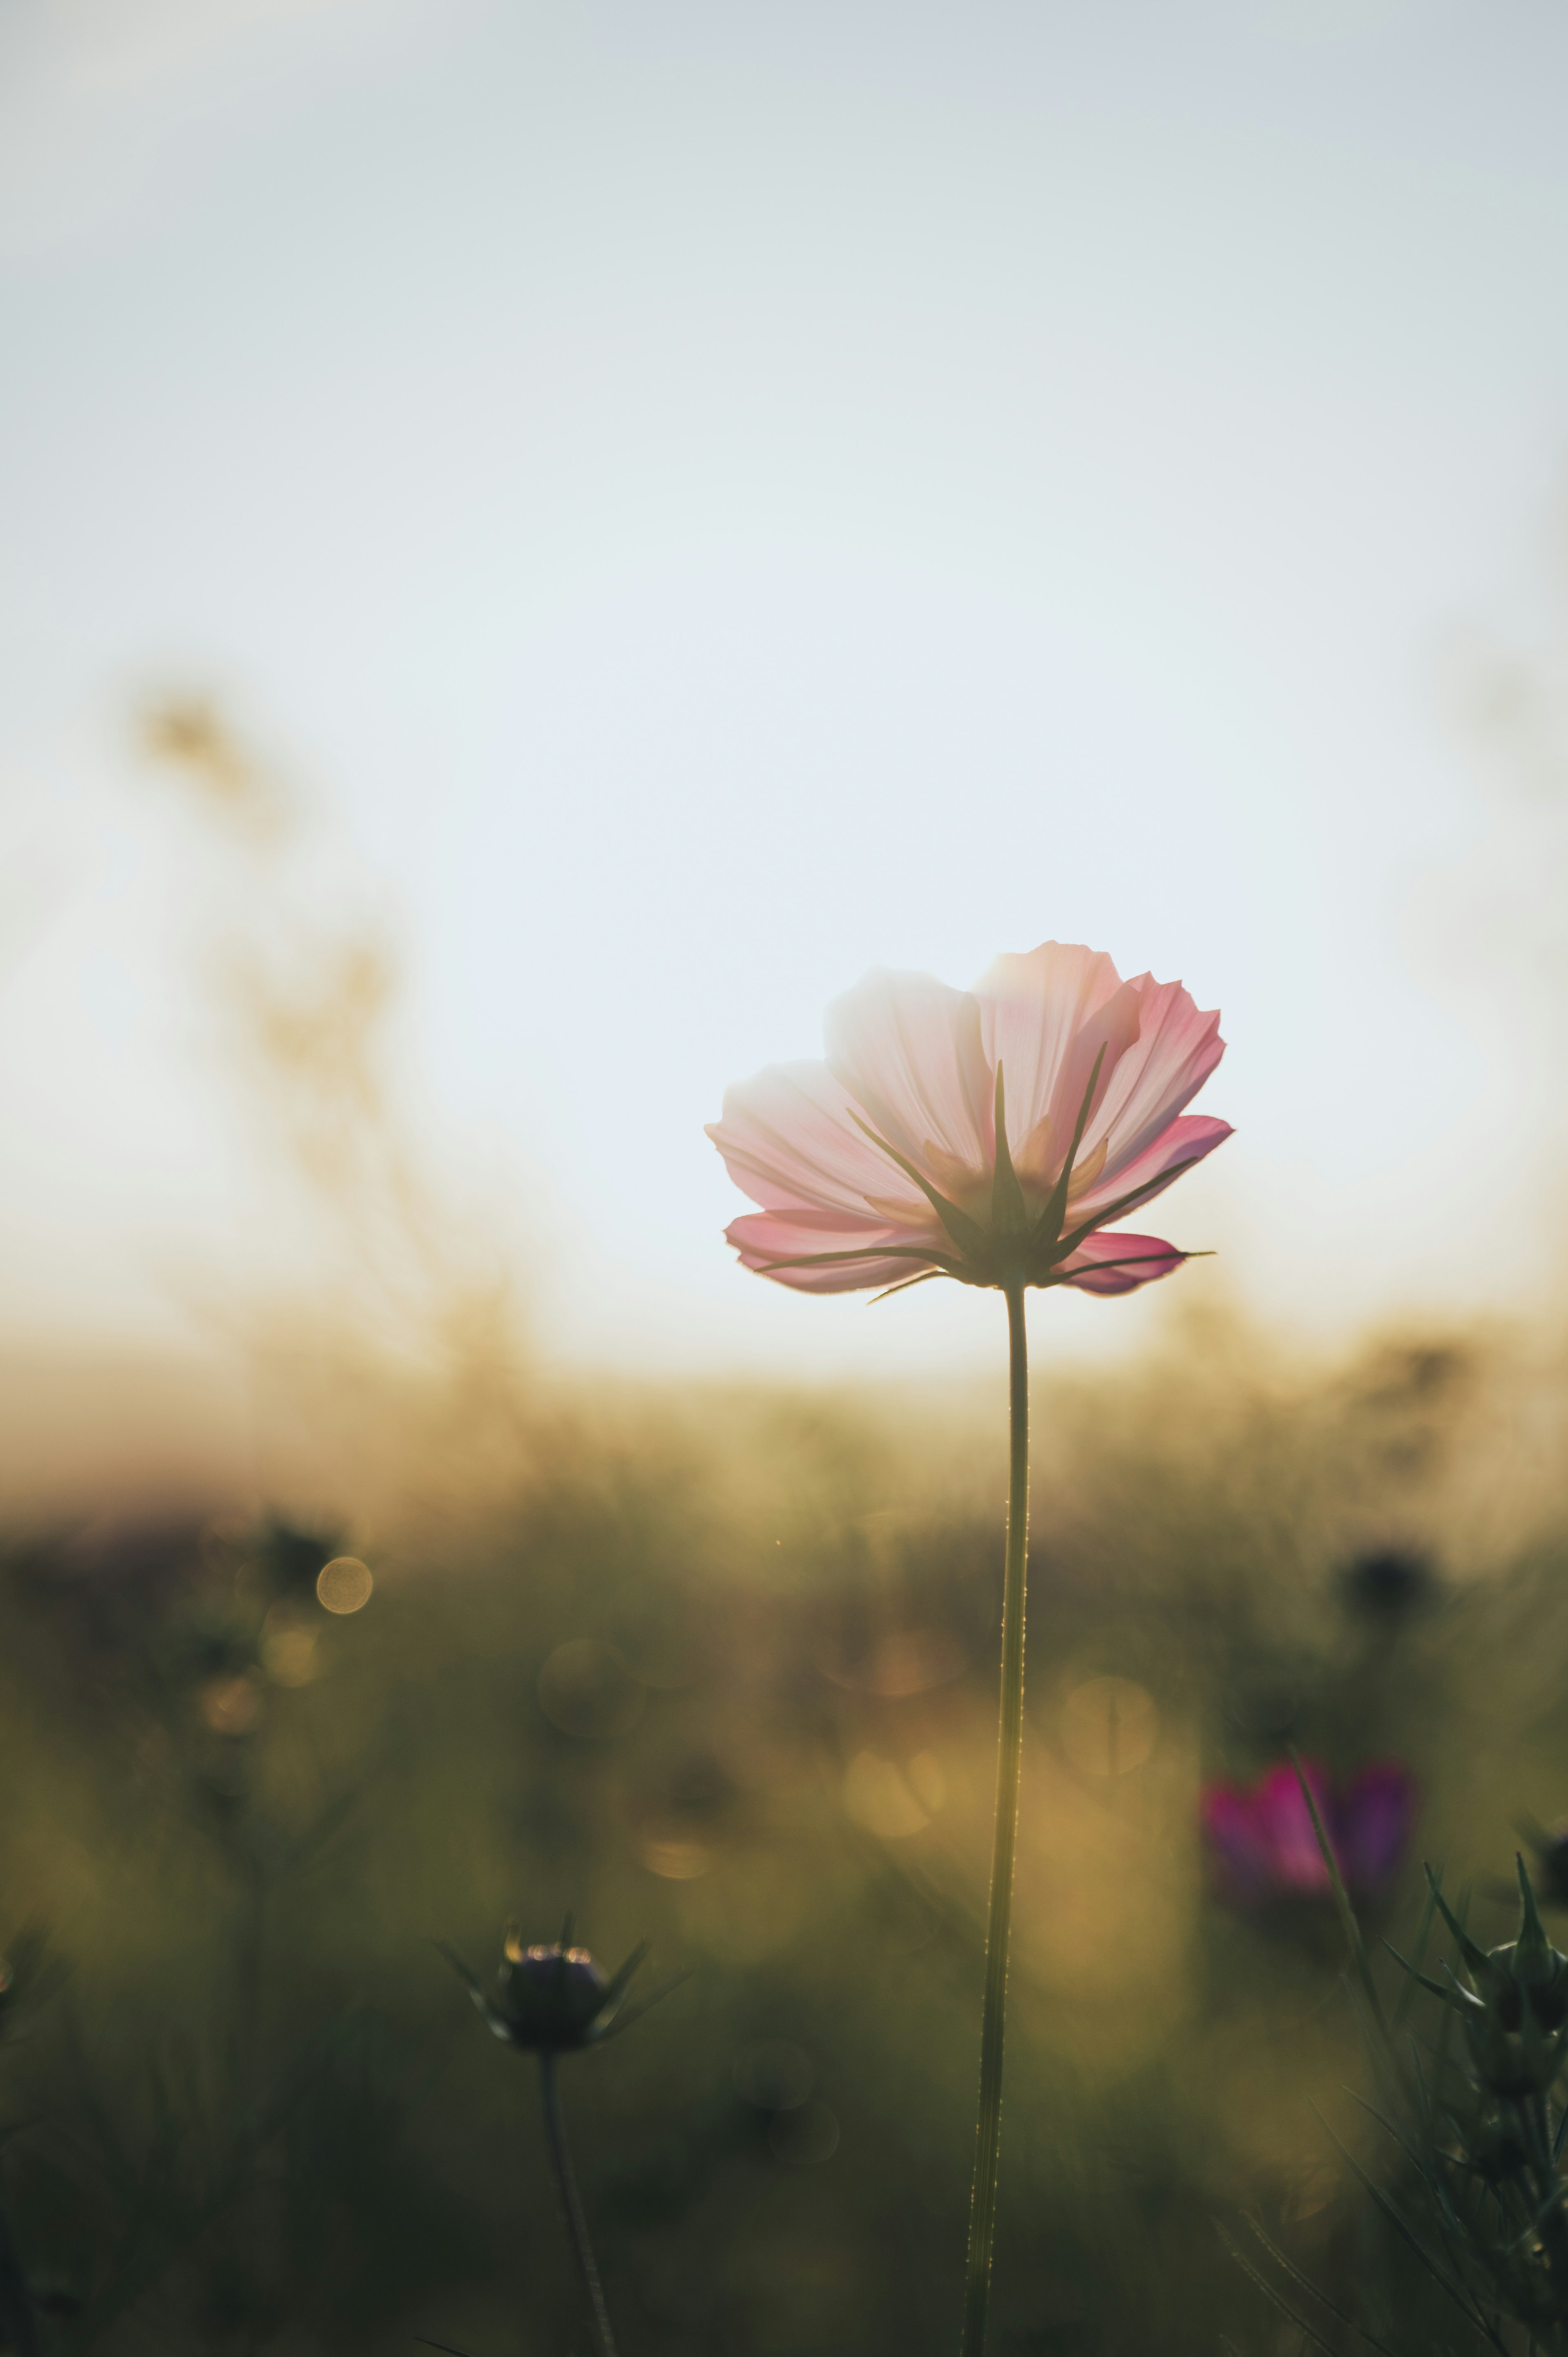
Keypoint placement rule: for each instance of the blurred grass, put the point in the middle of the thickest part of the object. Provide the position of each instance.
(717, 1667)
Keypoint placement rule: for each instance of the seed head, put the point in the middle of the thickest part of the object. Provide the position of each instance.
(550, 1999)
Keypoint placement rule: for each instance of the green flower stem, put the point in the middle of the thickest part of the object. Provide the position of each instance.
(571, 2202)
(1009, 1765)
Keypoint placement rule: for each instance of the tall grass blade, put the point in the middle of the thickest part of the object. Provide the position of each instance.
(1342, 1900)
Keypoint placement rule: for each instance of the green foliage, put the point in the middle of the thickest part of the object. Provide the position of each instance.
(717, 1670)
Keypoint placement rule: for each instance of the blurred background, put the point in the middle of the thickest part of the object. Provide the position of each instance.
(690, 503)
(539, 544)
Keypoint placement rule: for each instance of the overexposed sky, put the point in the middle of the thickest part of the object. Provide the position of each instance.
(709, 497)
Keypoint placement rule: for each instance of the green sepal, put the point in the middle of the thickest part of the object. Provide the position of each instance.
(495, 2021)
(862, 1252)
(616, 1988)
(904, 1283)
(967, 1234)
(1459, 1999)
(1009, 1212)
(1465, 2003)
(1048, 1226)
(469, 1978)
(1479, 1963)
(1534, 1964)
(1537, 2049)
(1057, 1274)
(624, 2019)
(1123, 1205)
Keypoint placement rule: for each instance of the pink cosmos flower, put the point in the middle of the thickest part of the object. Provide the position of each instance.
(1264, 1847)
(991, 1134)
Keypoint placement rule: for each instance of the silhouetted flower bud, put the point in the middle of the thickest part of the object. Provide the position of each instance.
(1516, 2007)
(550, 1999)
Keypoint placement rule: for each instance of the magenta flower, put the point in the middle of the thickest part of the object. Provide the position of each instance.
(991, 1134)
(1264, 1847)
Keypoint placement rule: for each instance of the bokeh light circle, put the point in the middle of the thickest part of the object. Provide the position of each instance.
(344, 1585)
(1109, 1726)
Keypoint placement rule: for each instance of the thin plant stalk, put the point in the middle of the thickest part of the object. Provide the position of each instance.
(1350, 1927)
(572, 2203)
(1009, 1765)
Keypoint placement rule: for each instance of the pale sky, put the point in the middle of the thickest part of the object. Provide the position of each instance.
(703, 498)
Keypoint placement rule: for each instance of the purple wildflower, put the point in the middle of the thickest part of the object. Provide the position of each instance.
(1264, 1847)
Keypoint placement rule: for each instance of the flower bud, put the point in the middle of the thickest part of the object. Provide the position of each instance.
(1515, 2008)
(549, 1999)
(1536, 1964)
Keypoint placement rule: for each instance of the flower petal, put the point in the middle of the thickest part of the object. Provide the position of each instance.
(790, 1141)
(1283, 1814)
(1176, 1049)
(1372, 1822)
(1184, 1141)
(1111, 1262)
(1262, 1840)
(908, 1050)
(1105, 1039)
(764, 1237)
(1032, 1008)
(1240, 1849)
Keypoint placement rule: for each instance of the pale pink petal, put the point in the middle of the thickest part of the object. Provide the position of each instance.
(789, 1140)
(1107, 1039)
(1110, 1263)
(1187, 1140)
(763, 1237)
(1032, 1008)
(908, 1050)
(1176, 1049)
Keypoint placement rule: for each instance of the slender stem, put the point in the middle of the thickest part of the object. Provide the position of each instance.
(1009, 1764)
(572, 2203)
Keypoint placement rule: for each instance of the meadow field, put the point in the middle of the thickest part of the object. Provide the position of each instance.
(715, 1667)
(560, 562)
